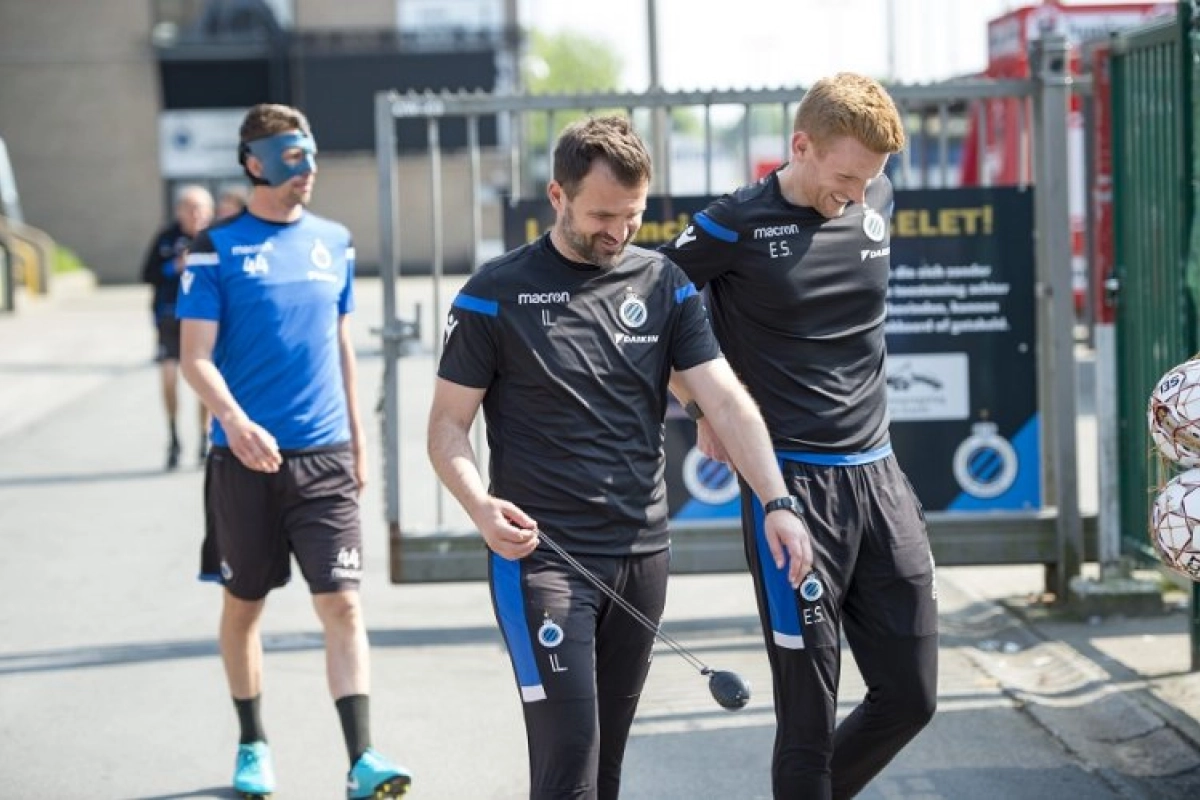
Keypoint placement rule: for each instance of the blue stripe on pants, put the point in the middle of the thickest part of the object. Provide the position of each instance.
(510, 608)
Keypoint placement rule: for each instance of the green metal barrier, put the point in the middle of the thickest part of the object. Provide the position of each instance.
(1154, 160)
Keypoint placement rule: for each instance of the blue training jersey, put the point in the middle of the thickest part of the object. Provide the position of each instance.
(277, 292)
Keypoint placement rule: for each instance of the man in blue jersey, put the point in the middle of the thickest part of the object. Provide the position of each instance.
(568, 343)
(796, 268)
(161, 269)
(265, 302)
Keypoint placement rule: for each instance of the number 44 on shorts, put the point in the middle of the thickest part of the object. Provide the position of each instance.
(348, 564)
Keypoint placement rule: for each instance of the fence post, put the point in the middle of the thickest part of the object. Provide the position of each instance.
(1190, 29)
(392, 335)
(1049, 58)
(6, 277)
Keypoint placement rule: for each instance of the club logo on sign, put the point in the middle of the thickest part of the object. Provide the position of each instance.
(708, 480)
(985, 464)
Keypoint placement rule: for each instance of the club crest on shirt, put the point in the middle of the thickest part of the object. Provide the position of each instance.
(874, 225)
(320, 255)
(632, 311)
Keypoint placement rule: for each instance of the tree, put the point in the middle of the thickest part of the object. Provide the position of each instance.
(573, 63)
(564, 63)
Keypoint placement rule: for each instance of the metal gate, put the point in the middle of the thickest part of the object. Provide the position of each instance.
(431, 540)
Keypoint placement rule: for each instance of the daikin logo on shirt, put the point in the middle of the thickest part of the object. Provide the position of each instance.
(629, 338)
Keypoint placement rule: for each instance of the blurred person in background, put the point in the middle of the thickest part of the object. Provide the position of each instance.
(163, 265)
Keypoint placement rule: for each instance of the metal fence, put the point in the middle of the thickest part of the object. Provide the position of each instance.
(1153, 206)
(428, 543)
(1156, 158)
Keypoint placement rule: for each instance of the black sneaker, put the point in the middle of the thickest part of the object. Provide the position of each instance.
(173, 456)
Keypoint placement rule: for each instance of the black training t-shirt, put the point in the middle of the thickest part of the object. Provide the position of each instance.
(798, 304)
(575, 360)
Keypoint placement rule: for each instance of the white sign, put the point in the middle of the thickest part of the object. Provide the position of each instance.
(199, 144)
(928, 386)
(425, 16)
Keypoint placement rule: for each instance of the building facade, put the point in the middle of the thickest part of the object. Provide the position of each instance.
(107, 106)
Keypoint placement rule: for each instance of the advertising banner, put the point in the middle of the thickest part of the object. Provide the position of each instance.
(961, 368)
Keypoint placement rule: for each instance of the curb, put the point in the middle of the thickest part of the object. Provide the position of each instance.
(1147, 689)
(1114, 725)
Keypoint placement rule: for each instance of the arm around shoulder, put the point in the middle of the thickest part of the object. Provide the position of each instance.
(737, 422)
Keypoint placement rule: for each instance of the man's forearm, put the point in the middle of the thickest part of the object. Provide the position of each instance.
(454, 461)
(206, 380)
(350, 386)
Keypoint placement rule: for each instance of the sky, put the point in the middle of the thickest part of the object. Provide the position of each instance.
(750, 44)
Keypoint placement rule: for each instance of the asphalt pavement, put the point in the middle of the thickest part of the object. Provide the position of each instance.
(111, 683)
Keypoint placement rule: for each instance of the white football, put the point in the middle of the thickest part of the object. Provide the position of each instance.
(1174, 414)
(1175, 524)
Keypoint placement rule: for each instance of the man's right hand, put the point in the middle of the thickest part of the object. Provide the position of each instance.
(253, 445)
(509, 532)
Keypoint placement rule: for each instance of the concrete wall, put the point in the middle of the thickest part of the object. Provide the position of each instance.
(78, 109)
(348, 191)
(348, 15)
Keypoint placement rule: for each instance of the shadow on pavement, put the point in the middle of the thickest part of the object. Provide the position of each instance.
(83, 368)
(216, 792)
(107, 655)
(106, 476)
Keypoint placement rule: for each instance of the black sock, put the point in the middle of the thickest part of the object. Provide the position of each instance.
(354, 710)
(174, 434)
(249, 720)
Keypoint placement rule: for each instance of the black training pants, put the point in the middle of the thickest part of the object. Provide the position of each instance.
(874, 579)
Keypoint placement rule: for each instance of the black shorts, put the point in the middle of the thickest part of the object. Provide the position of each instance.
(256, 521)
(168, 339)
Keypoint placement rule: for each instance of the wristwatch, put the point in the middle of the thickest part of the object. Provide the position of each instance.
(785, 503)
(694, 411)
